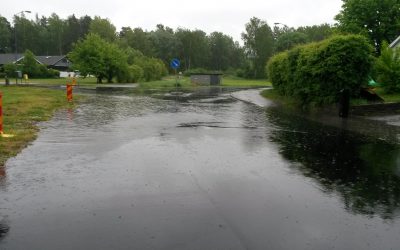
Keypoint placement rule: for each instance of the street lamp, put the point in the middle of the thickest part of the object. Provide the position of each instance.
(281, 24)
(15, 33)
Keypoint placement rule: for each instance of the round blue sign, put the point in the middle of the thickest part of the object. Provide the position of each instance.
(175, 63)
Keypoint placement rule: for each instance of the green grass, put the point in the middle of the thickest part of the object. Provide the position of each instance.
(23, 107)
(240, 82)
(184, 82)
(388, 97)
(166, 82)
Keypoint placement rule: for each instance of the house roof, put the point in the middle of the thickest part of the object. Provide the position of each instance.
(10, 58)
(49, 60)
(60, 61)
(395, 42)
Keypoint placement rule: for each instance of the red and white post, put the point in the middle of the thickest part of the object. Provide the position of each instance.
(69, 92)
(1, 113)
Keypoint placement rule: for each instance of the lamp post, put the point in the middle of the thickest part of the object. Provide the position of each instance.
(286, 29)
(15, 33)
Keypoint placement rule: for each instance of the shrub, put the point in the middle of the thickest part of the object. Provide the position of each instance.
(10, 69)
(131, 74)
(315, 73)
(387, 68)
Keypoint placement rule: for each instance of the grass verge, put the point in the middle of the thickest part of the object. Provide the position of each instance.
(166, 82)
(23, 108)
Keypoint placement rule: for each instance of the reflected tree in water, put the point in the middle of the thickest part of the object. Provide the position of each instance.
(364, 171)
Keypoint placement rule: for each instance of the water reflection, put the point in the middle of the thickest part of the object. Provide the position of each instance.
(363, 171)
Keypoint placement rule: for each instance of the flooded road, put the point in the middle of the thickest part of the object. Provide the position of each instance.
(134, 172)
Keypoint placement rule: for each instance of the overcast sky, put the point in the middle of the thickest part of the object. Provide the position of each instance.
(228, 16)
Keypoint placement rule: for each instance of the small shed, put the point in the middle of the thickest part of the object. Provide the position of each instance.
(206, 78)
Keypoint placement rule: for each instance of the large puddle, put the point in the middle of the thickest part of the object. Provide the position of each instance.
(127, 171)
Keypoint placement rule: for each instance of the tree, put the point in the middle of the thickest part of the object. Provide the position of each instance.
(104, 28)
(71, 32)
(98, 57)
(194, 48)
(387, 68)
(166, 44)
(317, 33)
(258, 43)
(290, 39)
(5, 37)
(222, 51)
(377, 19)
(30, 65)
(56, 29)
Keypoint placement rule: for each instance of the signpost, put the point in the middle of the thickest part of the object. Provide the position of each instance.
(175, 63)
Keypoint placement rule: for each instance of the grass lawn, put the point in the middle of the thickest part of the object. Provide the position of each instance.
(23, 107)
(166, 82)
(227, 81)
(388, 97)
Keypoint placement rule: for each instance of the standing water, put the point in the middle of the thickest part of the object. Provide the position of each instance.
(135, 172)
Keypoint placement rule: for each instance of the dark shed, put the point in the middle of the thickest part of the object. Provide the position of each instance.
(206, 78)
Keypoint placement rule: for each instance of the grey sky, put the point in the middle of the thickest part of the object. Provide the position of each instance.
(228, 16)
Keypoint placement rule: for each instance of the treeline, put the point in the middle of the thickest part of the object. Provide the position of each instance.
(195, 48)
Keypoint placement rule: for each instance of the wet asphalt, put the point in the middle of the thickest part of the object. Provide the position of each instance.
(126, 171)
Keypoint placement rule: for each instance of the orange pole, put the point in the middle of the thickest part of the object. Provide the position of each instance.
(69, 92)
(1, 113)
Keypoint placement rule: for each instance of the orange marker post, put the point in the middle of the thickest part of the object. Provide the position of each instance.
(1, 119)
(69, 92)
(1, 113)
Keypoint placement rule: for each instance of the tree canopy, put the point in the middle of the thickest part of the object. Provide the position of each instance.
(377, 19)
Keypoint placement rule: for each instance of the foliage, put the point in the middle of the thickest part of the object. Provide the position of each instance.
(10, 69)
(103, 28)
(258, 43)
(290, 39)
(131, 74)
(315, 73)
(5, 38)
(153, 69)
(317, 33)
(95, 56)
(387, 68)
(377, 19)
(29, 65)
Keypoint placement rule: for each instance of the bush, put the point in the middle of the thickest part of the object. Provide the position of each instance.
(10, 69)
(387, 68)
(201, 71)
(132, 74)
(315, 73)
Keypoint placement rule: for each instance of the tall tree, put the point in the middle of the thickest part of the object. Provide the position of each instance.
(222, 50)
(378, 19)
(317, 33)
(98, 57)
(258, 42)
(104, 28)
(71, 32)
(5, 37)
(195, 48)
(166, 44)
(290, 39)
(56, 30)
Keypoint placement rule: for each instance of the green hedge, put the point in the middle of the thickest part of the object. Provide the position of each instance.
(315, 73)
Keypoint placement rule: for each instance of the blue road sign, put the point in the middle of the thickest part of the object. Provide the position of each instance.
(175, 63)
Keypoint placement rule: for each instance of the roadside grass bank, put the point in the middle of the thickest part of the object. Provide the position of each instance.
(23, 108)
(293, 104)
(184, 82)
(166, 82)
